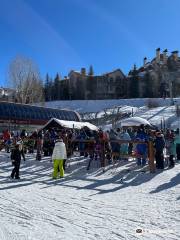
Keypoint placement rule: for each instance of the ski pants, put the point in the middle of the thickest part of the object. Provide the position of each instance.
(15, 171)
(58, 166)
(159, 159)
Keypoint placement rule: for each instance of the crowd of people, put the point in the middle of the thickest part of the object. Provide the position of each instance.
(113, 145)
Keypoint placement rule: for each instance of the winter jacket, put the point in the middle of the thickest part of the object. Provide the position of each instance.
(81, 136)
(141, 148)
(159, 143)
(6, 136)
(124, 146)
(113, 135)
(171, 148)
(16, 156)
(177, 139)
(59, 151)
(170, 145)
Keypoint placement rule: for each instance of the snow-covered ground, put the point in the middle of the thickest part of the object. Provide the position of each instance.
(94, 205)
(83, 106)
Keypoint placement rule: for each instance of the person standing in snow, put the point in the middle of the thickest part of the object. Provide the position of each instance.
(16, 160)
(171, 147)
(159, 145)
(177, 143)
(124, 146)
(115, 146)
(81, 136)
(141, 149)
(58, 157)
(7, 140)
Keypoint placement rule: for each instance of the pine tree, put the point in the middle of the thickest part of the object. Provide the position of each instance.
(51, 90)
(46, 88)
(57, 93)
(91, 71)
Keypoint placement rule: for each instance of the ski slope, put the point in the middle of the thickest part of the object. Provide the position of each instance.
(164, 115)
(94, 205)
(157, 116)
(83, 106)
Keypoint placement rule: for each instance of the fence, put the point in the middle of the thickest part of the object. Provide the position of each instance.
(89, 146)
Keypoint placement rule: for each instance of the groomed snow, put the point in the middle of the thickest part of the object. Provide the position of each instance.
(94, 205)
(164, 115)
(83, 106)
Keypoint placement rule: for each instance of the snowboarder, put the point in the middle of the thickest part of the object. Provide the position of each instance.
(58, 157)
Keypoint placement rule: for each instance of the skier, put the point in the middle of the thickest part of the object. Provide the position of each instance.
(177, 142)
(58, 157)
(16, 161)
(141, 148)
(171, 147)
(124, 135)
(115, 146)
(159, 146)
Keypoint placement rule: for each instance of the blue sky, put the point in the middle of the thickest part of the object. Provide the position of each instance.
(61, 35)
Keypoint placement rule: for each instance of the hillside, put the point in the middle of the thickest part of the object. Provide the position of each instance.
(102, 112)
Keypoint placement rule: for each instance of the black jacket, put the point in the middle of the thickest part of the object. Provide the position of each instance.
(16, 155)
(159, 143)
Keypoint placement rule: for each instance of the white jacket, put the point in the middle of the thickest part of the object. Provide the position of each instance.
(59, 151)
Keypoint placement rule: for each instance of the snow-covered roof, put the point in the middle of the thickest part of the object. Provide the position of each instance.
(72, 124)
(134, 121)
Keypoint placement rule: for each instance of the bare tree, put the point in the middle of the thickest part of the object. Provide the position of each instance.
(24, 77)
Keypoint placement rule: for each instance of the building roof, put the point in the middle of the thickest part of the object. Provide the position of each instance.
(71, 124)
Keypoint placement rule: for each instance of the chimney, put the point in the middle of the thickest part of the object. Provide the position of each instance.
(165, 56)
(83, 71)
(175, 55)
(158, 55)
(145, 61)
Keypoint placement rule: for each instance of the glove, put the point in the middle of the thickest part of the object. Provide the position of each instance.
(13, 162)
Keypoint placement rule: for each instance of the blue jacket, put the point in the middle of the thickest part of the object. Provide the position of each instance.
(141, 136)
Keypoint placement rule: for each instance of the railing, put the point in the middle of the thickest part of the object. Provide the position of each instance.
(90, 144)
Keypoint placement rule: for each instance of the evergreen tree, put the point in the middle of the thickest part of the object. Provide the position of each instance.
(91, 71)
(51, 90)
(57, 93)
(46, 88)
